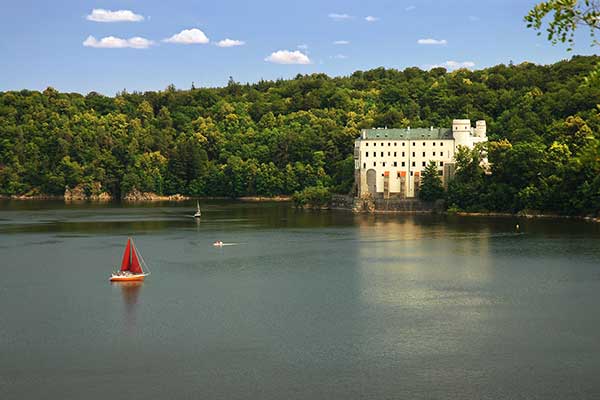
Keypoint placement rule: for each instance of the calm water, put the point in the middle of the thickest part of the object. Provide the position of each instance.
(305, 306)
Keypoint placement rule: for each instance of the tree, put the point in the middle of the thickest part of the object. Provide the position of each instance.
(567, 16)
(431, 184)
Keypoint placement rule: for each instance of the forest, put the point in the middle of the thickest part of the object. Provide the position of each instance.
(280, 137)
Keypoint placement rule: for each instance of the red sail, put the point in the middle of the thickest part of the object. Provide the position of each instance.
(135, 268)
(126, 256)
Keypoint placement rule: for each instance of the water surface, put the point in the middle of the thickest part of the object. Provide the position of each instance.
(323, 305)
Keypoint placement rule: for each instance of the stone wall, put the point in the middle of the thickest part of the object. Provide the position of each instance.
(368, 204)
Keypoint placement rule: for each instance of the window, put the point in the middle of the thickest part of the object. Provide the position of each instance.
(434, 153)
(403, 144)
(413, 153)
(367, 144)
(414, 144)
(442, 153)
(441, 172)
(382, 154)
(423, 154)
(411, 173)
(367, 154)
(433, 143)
(389, 144)
(403, 164)
(389, 153)
(395, 163)
(403, 154)
(413, 163)
(441, 143)
(364, 165)
(383, 164)
(374, 164)
(423, 144)
(395, 143)
(423, 163)
(394, 154)
(441, 163)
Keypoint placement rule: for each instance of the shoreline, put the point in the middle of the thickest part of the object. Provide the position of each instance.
(523, 216)
(285, 199)
(172, 199)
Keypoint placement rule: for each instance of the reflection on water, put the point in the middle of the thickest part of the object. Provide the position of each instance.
(130, 293)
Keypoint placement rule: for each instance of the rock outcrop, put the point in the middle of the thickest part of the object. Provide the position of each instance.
(364, 204)
(136, 196)
(84, 192)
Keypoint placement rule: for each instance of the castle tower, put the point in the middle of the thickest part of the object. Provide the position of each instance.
(461, 130)
(480, 129)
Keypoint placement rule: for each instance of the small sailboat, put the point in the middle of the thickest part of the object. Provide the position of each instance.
(131, 268)
(198, 212)
(218, 243)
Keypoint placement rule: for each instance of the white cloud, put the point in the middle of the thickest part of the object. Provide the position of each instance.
(111, 42)
(189, 36)
(432, 41)
(459, 64)
(340, 57)
(341, 42)
(453, 65)
(302, 46)
(340, 17)
(371, 18)
(288, 57)
(230, 43)
(102, 15)
(410, 8)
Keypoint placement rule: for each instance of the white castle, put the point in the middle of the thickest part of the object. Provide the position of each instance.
(389, 162)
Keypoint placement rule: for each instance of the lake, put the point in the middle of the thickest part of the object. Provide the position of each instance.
(303, 305)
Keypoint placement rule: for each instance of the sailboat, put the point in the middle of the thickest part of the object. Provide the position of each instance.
(131, 268)
(198, 212)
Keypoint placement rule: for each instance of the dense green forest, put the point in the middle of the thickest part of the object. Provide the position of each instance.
(278, 137)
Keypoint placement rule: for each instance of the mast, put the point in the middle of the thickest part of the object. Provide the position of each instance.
(135, 268)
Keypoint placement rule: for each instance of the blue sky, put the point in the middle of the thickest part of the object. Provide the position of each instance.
(42, 42)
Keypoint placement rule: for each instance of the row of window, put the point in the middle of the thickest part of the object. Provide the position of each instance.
(402, 164)
(440, 172)
(403, 143)
(403, 154)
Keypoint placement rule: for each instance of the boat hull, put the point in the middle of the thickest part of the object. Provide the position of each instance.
(127, 278)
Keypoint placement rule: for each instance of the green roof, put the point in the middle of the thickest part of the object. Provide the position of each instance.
(407, 134)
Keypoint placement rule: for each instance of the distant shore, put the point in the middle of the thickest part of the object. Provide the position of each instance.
(283, 199)
(523, 215)
(175, 199)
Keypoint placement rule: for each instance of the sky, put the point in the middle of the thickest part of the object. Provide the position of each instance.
(139, 45)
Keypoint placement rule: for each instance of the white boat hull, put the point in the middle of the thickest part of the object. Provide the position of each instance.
(128, 277)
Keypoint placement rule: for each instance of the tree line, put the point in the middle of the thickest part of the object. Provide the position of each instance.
(279, 137)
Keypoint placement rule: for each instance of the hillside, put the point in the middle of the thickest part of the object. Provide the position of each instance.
(277, 137)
